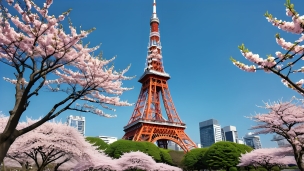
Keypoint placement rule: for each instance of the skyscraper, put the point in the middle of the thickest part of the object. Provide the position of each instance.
(282, 142)
(77, 122)
(230, 133)
(210, 132)
(252, 141)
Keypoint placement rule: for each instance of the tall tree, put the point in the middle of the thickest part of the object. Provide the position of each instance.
(287, 120)
(283, 64)
(42, 54)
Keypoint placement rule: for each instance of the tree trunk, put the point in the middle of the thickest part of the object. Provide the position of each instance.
(300, 162)
(4, 146)
(298, 157)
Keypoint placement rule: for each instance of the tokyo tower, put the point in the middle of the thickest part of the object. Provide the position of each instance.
(147, 122)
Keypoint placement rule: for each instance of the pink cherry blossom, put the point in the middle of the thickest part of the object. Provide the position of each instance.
(284, 63)
(45, 56)
(285, 119)
(267, 157)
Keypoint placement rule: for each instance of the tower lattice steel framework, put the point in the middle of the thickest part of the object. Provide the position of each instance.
(147, 122)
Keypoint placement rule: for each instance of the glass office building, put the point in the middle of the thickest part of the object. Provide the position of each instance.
(210, 132)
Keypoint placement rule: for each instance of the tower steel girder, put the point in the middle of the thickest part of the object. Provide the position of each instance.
(161, 133)
(147, 122)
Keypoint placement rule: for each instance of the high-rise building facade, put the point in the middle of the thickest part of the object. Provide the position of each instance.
(282, 142)
(77, 122)
(210, 132)
(252, 141)
(230, 133)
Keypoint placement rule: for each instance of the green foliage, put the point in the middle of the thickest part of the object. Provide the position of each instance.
(290, 6)
(232, 59)
(242, 148)
(119, 147)
(177, 157)
(232, 169)
(165, 156)
(97, 142)
(222, 154)
(268, 15)
(194, 159)
(293, 167)
(275, 168)
(243, 48)
(150, 149)
(261, 169)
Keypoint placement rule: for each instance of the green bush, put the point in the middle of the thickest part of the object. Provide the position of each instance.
(275, 168)
(261, 169)
(117, 148)
(165, 156)
(233, 169)
(95, 141)
(194, 159)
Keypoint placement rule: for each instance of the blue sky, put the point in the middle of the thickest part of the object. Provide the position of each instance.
(197, 37)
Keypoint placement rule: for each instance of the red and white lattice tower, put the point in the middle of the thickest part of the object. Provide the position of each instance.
(147, 122)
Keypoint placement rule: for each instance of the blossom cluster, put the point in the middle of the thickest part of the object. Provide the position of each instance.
(55, 57)
(283, 118)
(275, 63)
(267, 157)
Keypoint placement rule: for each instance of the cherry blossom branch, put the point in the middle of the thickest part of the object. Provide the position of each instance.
(50, 115)
(272, 64)
(35, 92)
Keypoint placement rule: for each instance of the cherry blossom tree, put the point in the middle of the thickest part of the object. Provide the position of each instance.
(285, 119)
(96, 160)
(51, 143)
(283, 64)
(267, 158)
(42, 54)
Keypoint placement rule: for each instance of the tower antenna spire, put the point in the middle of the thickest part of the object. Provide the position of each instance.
(154, 9)
(154, 17)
